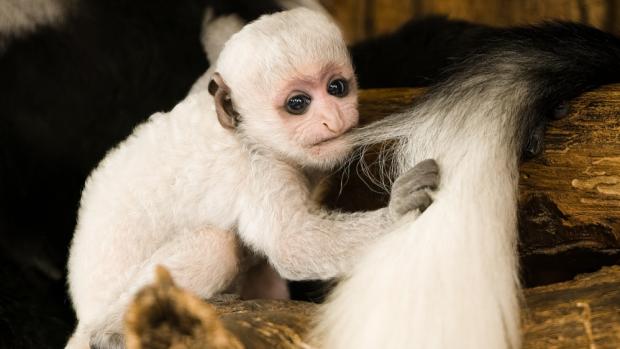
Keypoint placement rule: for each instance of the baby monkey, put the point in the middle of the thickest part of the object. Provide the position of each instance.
(191, 193)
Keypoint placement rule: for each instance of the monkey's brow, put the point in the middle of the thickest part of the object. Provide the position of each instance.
(332, 67)
(306, 79)
(329, 68)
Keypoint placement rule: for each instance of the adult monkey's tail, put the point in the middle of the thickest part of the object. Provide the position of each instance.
(449, 279)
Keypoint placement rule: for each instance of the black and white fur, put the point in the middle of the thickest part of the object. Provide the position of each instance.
(449, 279)
(77, 76)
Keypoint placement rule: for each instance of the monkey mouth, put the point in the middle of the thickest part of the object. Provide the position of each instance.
(328, 140)
(323, 141)
(333, 147)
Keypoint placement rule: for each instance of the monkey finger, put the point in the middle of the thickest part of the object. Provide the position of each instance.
(415, 180)
(428, 166)
(419, 200)
(423, 174)
(427, 181)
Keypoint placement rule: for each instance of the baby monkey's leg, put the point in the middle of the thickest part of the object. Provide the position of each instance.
(203, 262)
(261, 281)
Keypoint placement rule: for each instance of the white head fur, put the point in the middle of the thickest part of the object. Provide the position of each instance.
(269, 61)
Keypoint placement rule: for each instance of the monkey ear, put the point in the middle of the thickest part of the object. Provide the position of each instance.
(226, 113)
(212, 87)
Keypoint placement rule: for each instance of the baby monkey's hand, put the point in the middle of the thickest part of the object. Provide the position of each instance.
(411, 190)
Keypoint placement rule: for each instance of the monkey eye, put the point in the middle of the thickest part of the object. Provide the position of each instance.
(297, 104)
(338, 88)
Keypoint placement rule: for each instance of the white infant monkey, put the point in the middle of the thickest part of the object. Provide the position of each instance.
(189, 192)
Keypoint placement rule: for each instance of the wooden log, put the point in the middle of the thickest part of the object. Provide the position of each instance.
(583, 313)
(572, 192)
(164, 316)
(570, 196)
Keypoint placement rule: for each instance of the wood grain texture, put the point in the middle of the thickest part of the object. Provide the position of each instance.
(580, 314)
(164, 316)
(570, 196)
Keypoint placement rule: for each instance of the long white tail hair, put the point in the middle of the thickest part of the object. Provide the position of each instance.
(449, 279)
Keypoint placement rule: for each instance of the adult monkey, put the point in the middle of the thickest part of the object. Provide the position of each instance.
(189, 193)
(449, 279)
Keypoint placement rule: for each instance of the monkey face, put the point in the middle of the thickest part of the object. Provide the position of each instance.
(314, 108)
(300, 118)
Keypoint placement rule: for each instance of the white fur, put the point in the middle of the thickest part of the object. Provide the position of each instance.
(148, 203)
(181, 191)
(217, 30)
(23, 16)
(305, 44)
(448, 279)
(215, 33)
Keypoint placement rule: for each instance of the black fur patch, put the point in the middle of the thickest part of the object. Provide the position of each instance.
(415, 54)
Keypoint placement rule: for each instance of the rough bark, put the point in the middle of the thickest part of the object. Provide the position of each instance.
(579, 314)
(163, 316)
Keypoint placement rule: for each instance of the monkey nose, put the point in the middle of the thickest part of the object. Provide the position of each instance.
(334, 125)
(331, 129)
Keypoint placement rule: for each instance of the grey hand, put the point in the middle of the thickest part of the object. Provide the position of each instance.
(411, 189)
